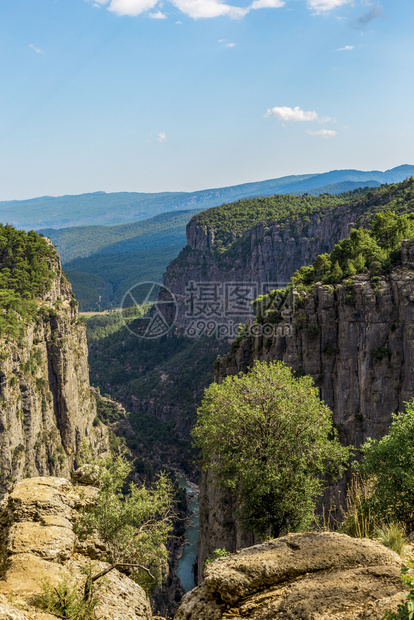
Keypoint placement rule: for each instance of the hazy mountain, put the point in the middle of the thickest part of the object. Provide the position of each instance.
(124, 207)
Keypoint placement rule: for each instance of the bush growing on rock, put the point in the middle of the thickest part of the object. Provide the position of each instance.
(390, 464)
(267, 437)
(133, 525)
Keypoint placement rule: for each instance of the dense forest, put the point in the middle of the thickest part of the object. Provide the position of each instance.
(25, 273)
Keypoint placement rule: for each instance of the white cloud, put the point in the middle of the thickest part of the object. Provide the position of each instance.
(267, 4)
(36, 49)
(199, 9)
(161, 137)
(323, 133)
(157, 15)
(291, 114)
(347, 48)
(231, 45)
(131, 7)
(320, 6)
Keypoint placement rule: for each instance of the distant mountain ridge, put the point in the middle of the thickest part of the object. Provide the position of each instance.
(127, 207)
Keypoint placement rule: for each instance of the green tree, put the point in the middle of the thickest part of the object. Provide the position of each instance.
(390, 462)
(267, 437)
(134, 525)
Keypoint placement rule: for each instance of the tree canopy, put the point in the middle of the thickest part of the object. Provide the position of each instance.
(267, 437)
(390, 464)
(24, 274)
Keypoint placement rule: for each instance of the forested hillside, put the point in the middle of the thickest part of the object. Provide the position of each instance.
(103, 262)
(124, 207)
(83, 241)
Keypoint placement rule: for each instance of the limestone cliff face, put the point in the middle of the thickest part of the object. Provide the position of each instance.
(357, 342)
(46, 408)
(265, 254)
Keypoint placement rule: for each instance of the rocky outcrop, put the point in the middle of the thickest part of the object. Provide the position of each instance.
(315, 576)
(37, 542)
(265, 255)
(46, 408)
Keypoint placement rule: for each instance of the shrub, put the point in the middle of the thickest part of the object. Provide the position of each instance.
(66, 600)
(267, 437)
(392, 536)
(390, 463)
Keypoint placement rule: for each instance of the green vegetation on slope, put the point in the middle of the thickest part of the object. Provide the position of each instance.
(83, 241)
(231, 221)
(103, 262)
(101, 281)
(164, 377)
(375, 250)
(24, 275)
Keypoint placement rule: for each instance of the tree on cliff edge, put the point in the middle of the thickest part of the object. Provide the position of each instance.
(267, 437)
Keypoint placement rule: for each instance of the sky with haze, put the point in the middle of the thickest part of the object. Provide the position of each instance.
(180, 95)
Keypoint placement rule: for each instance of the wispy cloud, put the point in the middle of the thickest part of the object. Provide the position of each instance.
(157, 15)
(267, 4)
(161, 137)
(366, 18)
(321, 6)
(133, 8)
(287, 114)
(202, 9)
(230, 45)
(323, 133)
(347, 48)
(36, 49)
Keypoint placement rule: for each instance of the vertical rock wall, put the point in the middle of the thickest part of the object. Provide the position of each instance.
(46, 407)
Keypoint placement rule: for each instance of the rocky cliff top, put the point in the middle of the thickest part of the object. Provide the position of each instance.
(37, 542)
(314, 576)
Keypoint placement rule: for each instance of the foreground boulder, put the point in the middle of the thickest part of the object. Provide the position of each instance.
(314, 576)
(37, 542)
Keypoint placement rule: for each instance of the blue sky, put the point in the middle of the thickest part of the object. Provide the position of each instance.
(139, 95)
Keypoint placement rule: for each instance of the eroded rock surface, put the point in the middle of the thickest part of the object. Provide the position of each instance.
(315, 576)
(46, 405)
(37, 542)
